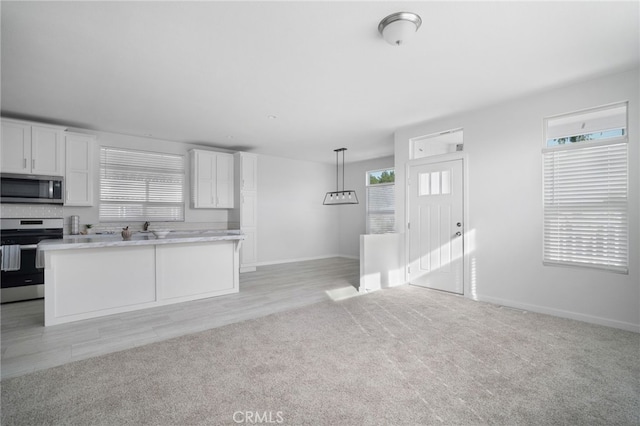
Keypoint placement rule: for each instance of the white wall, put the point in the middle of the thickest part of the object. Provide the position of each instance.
(352, 218)
(503, 144)
(292, 222)
(381, 265)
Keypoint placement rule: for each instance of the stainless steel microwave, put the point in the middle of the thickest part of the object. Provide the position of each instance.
(31, 189)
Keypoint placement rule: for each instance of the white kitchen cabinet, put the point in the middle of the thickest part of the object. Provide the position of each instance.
(16, 147)
(47, 151)
(32, 148)
(248, 209)
(178, 279)
(211, 180)
(249, 251)
(249, 172)
(247, 212)
(104, 276)
(79, 169)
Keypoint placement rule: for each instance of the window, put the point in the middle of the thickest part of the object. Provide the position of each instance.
(380, 201)
(585, 189)
(437, 144)
(141, 186)
(595, 125)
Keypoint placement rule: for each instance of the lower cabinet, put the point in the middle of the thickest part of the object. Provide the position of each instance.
(178, 278)
(81, 283)
(93, 282)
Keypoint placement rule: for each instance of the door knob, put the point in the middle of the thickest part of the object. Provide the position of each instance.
(458, 224)
(458, 234)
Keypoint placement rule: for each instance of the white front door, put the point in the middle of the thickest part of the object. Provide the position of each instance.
(436, 226)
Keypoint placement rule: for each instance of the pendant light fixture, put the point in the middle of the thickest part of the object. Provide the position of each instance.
(344, 196)
(398, 28)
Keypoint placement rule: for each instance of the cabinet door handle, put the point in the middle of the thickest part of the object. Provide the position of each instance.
(33, 164)
(24, 163)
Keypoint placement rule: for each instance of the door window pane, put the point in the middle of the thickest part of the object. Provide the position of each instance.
(424, 184)
(446, 182)
(435, 183)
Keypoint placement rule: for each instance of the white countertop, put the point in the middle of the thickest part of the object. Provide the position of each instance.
(138, 239)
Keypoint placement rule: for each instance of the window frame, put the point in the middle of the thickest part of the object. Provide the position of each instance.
(584, 146)
(584, 112)
(182, 171)
(368, 186)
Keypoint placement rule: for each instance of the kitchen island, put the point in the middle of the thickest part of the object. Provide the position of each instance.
(92, 276)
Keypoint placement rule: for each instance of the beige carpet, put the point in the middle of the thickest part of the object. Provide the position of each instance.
(399, 356)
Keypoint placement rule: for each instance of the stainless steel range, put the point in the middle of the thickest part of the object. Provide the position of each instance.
(21, 279)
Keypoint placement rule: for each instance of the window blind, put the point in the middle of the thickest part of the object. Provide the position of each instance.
(141, 186)
(380, 208)
(585, 206)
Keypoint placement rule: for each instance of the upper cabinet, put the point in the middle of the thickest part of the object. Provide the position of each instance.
(16, 147)
(248, 172)
(31, 148)
(79, 176)
(211, 180)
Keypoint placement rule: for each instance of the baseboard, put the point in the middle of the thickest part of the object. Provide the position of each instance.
(302, 259)
(348, 257)
(562, 313)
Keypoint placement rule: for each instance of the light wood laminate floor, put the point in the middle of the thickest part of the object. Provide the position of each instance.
(28, 346)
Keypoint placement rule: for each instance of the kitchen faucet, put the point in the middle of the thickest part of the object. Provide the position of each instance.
(145, 227)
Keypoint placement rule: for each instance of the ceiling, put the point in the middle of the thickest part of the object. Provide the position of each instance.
(216, 73)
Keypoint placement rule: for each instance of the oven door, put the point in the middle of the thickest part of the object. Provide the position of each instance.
(28, 273)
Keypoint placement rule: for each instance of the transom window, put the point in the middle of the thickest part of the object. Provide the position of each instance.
(437, 144)
(595, 125)
(141, 186)
(380, 201)
(585, 185)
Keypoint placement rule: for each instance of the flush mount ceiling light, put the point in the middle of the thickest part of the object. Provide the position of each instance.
(337, 197)
(398, 28)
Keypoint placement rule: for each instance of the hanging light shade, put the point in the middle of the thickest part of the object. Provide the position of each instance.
(344, 196)
(398, 28)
